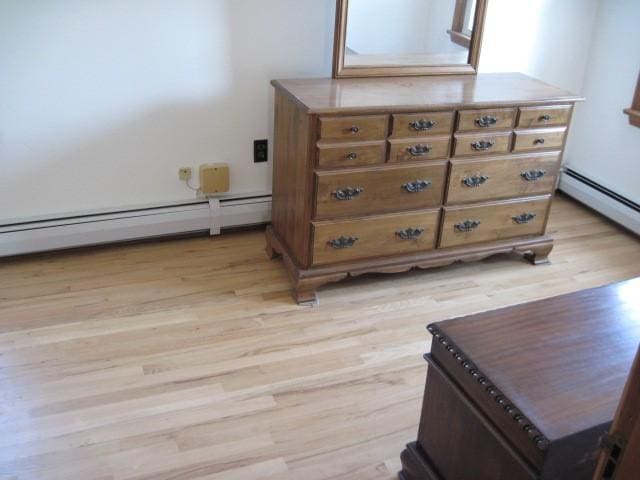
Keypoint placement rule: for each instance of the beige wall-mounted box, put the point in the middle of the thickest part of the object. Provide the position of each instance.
(214, 178)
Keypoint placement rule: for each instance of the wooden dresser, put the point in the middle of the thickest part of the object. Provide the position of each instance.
(388, 174)
(526, 392)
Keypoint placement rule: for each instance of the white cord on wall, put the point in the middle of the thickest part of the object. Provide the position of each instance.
(195, 189)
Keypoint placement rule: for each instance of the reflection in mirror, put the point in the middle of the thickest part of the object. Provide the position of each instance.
(408, 32)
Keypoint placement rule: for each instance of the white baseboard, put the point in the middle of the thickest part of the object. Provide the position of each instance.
(77, 231)
(618, 211)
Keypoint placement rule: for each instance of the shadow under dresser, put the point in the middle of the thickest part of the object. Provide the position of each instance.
(389, 174)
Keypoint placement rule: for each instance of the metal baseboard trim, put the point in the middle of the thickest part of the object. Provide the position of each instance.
(613, 206)
(94, 229)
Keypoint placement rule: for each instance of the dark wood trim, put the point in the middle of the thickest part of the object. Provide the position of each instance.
(622, 443)
(634, 110)
(415, 465)
(487, 387)
(339, 49)
(416, 461)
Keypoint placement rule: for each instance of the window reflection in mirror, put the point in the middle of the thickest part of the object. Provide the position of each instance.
(408, 32)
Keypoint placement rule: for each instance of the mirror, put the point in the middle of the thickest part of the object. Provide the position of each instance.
(407, 37)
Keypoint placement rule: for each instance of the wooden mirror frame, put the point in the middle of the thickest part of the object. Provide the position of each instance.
(634, 111)
(340, 38)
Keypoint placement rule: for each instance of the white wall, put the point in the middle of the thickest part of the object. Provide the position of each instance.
(603, 146)
(102, 101)
(546, 39)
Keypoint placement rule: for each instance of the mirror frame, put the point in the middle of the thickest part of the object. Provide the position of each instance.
(634, 110)
(342, 71)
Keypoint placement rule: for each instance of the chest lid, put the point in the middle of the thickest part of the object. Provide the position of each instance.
(550, 373)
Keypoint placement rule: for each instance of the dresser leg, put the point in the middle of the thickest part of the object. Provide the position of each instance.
(539, 255)
(306, 297)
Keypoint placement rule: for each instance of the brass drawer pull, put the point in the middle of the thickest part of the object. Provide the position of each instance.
(347, 193)
(417, 186)
(524, 218)
(354, 130)
(482, 145)
(545, 118)
(467, 225)
(533, 175)
(422, 125)
(538, 141)
(352, 156)
(419, 150)
(475, 180)
(342, 242)
(486, 121)
(410, 233)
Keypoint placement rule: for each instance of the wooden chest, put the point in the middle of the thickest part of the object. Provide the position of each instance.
(388, 174)
(525, 392)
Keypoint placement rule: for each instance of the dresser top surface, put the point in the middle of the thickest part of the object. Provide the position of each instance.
(326, 95)
(563, 361)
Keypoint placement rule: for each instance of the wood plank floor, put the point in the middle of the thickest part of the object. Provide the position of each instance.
(187, 359)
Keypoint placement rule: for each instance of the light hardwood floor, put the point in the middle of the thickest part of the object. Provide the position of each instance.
(187, 359)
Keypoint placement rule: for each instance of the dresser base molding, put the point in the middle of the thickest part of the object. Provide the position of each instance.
(307, 281)
(415, 466)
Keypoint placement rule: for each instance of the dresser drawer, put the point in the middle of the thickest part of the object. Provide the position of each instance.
(371, 127)
(532, 117)
(432, 148)
(374, 236)
(496, 119)
(530, 140)
(477, 179)
(494, 221)
(379, 189)
(481, 143)
(352, 155)
(421, 124)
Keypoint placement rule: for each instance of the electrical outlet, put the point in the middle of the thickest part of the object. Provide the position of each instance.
(185, 173)
(260, 151)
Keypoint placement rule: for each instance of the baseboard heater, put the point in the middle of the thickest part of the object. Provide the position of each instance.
(212, 215)
(610, 204)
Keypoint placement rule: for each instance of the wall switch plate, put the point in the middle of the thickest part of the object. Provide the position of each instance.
(260, 151)
(184, 173)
